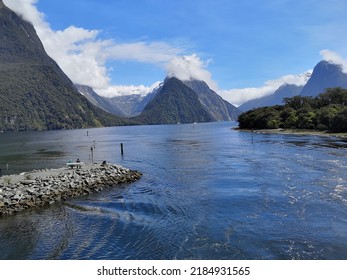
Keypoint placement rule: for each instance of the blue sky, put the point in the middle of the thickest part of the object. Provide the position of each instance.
(231, 44)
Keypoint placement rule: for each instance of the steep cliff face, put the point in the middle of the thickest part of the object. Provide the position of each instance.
(35, 93)
(216, 106)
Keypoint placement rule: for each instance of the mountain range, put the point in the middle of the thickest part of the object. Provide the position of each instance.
(35, 94)
(173, 97)
(124, 105)
(325, 75)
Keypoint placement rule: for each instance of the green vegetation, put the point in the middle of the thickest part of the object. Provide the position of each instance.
(326, 112)
(32, 97)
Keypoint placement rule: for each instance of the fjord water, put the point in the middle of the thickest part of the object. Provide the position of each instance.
(207, 192)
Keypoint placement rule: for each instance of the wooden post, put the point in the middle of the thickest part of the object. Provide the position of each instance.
(92, 155)
(121, 149)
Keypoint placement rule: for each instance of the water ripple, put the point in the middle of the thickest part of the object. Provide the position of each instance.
(208, 192)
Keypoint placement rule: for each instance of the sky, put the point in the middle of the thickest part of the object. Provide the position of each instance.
(242, 49)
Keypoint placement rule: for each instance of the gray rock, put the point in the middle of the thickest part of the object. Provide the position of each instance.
(47, 190)
(28, 182)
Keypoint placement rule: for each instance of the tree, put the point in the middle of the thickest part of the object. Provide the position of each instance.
(306, 118)
(328, 111)
(339, 122)
(325, 116)
(332, 96)
(260, 118)
(298, 102)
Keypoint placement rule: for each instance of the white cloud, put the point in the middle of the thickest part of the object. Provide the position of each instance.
(118, 90)
(240, 96)
(155, 52)
(83, 56)
(27, 9)
(190, 67)
(335, 58)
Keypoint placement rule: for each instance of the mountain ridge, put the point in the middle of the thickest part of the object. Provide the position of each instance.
(325, 75)
(218, 108)
(35, 93)
(285, 90)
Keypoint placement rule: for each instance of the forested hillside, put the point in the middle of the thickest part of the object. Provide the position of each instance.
(326, 112)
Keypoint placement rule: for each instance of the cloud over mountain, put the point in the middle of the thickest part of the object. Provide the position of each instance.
(119, 90)
(188, 68)
(83, 55)
(335, 58)
(240, 96)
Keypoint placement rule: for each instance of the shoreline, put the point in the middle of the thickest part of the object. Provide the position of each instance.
(44, 187)
(342, 135)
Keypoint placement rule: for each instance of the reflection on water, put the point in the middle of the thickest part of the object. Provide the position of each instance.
(208, 192)
(48, 154)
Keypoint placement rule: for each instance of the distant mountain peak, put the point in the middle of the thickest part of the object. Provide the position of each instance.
(174, 102)
(186, 101)
(326, 74)
(285, 90)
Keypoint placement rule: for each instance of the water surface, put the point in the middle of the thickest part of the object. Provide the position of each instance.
(208, 192)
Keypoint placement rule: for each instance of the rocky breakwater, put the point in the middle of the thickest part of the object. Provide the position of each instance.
(44, 187)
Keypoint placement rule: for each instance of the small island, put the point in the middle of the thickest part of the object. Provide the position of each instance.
(43, 187)
(325, 114)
